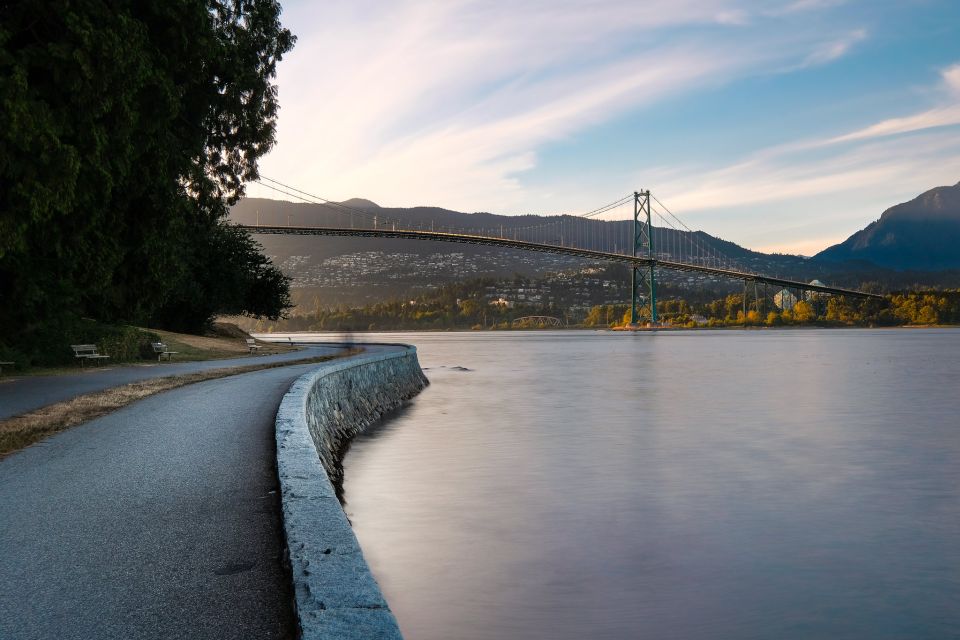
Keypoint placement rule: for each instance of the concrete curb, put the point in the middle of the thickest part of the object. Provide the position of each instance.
(335, 594)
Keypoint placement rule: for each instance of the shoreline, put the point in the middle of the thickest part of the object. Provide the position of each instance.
(266, 337)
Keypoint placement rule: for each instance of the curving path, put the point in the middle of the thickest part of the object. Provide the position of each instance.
(26, 393)
(160, 520)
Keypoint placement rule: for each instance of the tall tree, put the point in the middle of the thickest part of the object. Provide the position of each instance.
(127, 128)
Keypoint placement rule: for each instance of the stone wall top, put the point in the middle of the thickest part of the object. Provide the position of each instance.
(336, 594)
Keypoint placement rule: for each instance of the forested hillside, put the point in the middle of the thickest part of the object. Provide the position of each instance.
(363, 271)
(922, 234)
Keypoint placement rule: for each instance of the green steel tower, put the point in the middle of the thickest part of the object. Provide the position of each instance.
(642, 237)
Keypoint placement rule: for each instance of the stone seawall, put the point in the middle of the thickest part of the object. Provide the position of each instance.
(336, 595)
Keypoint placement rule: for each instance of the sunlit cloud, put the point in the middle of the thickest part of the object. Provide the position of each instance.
(459, 103)
(951, 80)
(805, 247)
(805, 177)
(469, 162)
(809, 167)
(939, 117)
(450, 103)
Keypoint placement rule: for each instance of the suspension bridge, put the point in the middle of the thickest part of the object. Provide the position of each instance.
(645, 248)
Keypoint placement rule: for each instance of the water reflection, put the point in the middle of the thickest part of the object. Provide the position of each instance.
(758, 484)
(336, 474)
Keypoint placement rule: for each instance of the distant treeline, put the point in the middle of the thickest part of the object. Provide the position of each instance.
(465, 306)
(127, 129)
(913, 308)
(454, 306)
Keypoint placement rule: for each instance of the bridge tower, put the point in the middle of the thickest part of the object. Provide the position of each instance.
(642, 243)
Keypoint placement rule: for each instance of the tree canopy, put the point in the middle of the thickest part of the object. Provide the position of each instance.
(127, 129)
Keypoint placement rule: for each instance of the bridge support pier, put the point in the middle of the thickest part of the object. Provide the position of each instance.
(642, 235)
(744, 303)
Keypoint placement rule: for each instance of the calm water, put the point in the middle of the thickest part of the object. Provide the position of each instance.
(762, 484)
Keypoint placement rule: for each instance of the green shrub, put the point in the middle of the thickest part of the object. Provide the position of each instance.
(50, 346)
(126, 344)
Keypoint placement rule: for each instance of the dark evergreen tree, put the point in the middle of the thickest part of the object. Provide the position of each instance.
(127, 129)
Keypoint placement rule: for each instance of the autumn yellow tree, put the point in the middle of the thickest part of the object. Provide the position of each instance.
(803, 312)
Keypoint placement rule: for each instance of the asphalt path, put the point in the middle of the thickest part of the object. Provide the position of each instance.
(19, 395)
(160, 520)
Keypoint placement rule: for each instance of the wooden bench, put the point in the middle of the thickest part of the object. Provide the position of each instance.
(87, 352)
(160, 348)
(252, 345)
(2, 363)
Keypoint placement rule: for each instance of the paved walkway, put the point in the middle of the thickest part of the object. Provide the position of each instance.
(160, 520)
(32, 392)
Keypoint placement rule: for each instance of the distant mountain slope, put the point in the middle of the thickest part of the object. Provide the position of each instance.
(342, 270)
(362, 213)
(923, 234)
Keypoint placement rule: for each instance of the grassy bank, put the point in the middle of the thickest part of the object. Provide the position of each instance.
(223, 341)
(130, 345)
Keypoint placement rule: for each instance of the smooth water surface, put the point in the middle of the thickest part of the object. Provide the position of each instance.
(713, 484)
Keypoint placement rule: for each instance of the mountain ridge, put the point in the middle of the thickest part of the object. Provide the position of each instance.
(356, 270)
(922, 234)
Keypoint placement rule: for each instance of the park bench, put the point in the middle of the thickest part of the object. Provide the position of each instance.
(2, 363)
(252, 345)
(87, 352)
(160, 348)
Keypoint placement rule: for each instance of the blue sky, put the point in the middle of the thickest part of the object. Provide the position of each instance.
(782, 125)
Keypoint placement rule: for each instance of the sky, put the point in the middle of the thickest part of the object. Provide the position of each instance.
(781, 125)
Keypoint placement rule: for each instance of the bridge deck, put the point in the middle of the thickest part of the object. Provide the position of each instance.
(465, 238)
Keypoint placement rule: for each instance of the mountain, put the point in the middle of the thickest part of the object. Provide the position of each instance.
(603, 235)
(344, 270)
(361, 203)
(341, 270)
(922, 234)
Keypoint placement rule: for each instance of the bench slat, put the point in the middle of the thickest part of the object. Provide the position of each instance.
(160, 348)
(87, 352)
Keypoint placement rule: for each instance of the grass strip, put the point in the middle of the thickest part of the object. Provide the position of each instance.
(21, 431)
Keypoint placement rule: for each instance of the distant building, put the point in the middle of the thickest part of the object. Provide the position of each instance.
(813, 295)
(784, 300)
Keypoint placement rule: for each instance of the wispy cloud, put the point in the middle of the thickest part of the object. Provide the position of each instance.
(929, 119)
(951, 80)
(830, 51)
(454, 103)
(771, 178)
(479, 159)
(450, 102)
(903, 155)
(804, 5)
(947, 114)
